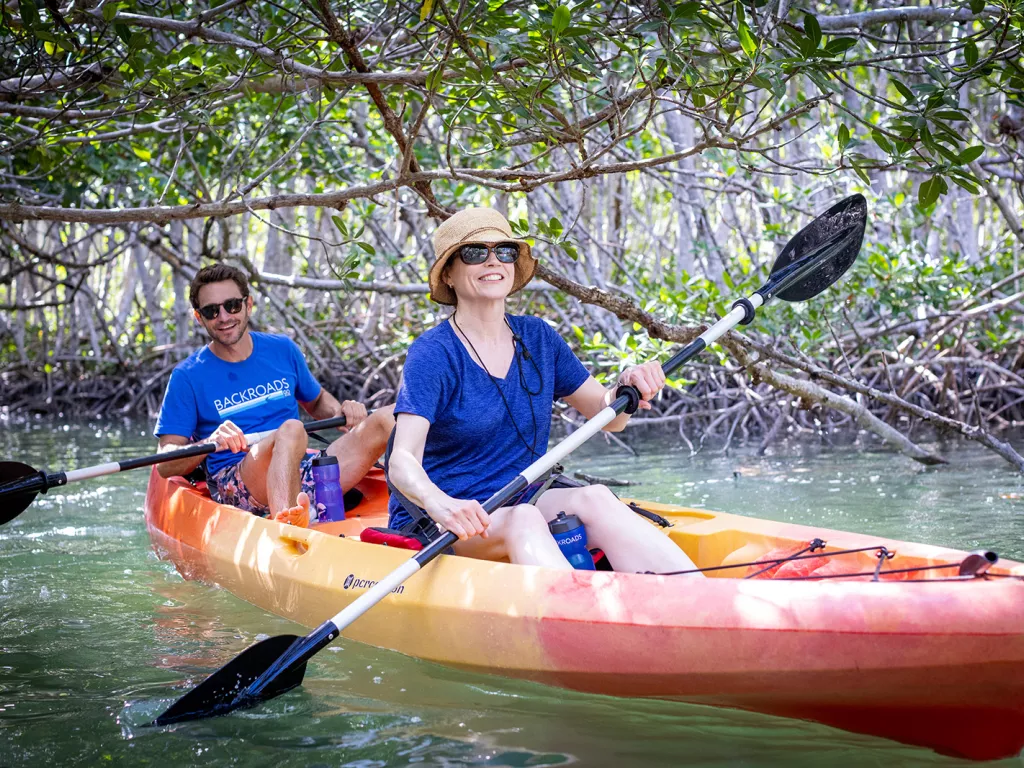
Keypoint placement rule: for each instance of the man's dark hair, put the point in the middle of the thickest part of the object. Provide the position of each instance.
(216, 273)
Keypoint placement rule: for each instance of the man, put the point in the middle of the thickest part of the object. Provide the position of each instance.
(244, 381)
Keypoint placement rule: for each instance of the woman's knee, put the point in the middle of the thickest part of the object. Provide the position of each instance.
(525, 519)
(594, 500)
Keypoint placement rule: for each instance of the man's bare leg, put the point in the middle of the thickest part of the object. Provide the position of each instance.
(271, 473)
(361, 446)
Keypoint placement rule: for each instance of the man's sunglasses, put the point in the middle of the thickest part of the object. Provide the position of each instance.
(476, 253)
(233, 306)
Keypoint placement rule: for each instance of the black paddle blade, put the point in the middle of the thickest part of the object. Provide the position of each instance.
(14, 496)
(820, 253)
(228, 688)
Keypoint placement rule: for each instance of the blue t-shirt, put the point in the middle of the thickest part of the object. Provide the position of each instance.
(472, 448)
(261, 392)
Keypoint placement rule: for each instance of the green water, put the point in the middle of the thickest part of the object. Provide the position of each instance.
(97, 636)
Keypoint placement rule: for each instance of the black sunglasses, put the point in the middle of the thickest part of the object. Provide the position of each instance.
(476, 253)
(233, 306)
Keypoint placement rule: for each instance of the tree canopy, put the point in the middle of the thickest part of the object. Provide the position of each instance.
(125, 111)
(658, 153)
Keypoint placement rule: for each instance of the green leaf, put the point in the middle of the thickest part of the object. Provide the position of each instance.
(555, 227)
(949, 114)
(844, 136)
(953, 157)
(29, 14)
(926, 138)
(434, 78)
(839, 45)
(747, 40)
(560, 20)
(109, 11)
(141, 153)
(977, 6)
(971, 154)
(123, 32)
(882, 142)
(812, 29)
(196, 59)
(367, 247)
(904, 90)
(965, 184)
(340, 225)
(929, 191)
(971, 53)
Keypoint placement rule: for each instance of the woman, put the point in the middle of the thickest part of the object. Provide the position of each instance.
(474, 409)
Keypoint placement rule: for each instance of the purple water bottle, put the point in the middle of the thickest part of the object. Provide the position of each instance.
(328, 497)
(571, 537)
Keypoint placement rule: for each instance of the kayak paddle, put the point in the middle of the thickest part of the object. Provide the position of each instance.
(21, 483)
(812, 261)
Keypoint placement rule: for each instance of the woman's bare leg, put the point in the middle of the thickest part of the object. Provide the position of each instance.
(519, 533)
(629, 541)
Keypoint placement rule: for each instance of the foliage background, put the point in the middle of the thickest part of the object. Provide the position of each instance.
(659, 152)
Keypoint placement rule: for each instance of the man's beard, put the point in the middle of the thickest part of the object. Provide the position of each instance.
(237, 334)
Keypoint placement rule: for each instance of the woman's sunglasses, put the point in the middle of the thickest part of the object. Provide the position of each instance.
(233, 306)
(476, 253)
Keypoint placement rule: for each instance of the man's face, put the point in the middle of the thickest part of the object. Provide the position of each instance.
(225, 328)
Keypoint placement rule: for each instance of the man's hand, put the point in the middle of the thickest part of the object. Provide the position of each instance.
(228, 437)
(354, 413)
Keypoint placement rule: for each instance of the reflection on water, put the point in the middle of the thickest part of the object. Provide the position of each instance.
(97, 636)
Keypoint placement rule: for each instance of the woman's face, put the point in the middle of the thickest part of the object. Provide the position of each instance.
(490, 281)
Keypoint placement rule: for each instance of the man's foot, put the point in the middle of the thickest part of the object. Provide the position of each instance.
(297, 515)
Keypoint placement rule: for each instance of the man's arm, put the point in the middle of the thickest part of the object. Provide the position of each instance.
(226, 437)
(178, 466)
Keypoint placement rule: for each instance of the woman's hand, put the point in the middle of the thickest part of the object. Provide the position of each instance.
(648, 380)
(465, 518)
(228, 437)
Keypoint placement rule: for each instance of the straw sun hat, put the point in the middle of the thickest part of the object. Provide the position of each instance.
(475, 225)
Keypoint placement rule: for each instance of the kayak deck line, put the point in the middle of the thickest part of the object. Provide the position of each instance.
(891, 657)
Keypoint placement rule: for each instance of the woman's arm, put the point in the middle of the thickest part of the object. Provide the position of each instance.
(591, 397)
(464, 518)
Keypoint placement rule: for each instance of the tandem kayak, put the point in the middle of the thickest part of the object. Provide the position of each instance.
(886, 639)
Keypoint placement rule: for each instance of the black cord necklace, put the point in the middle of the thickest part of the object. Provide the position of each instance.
(517, 344)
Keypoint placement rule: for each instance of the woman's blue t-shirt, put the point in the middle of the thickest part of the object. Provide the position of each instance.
(261, 392)
(472, 448)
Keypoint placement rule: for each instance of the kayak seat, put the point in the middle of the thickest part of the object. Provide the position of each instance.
(389, 537)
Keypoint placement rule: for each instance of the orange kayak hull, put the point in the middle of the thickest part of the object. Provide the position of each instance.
(934, 663)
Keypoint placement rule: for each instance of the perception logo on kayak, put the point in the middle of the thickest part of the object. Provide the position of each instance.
(353, 582)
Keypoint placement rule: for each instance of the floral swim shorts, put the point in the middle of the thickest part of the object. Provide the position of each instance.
(226, 487)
